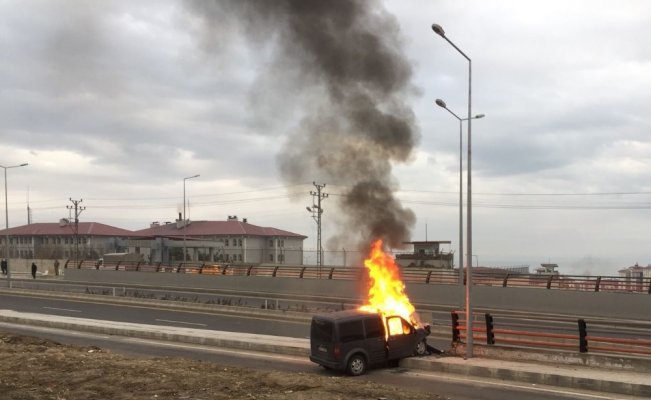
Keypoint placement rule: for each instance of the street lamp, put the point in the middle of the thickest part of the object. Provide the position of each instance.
(442, 104)
(7, 221)
(439, 31)
(184, 220)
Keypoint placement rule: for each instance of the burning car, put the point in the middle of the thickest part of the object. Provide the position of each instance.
(383, 330)
(354, 340)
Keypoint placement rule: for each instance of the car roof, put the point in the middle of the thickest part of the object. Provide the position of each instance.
(345, 314)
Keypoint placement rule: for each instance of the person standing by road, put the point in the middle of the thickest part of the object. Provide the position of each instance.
(4, 266)
(56, 267)
(34, 268)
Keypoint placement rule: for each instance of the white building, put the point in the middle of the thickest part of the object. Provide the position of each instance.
(232, 241)
(63, 240)
(636, 272)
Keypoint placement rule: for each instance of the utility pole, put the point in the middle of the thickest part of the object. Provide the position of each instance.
(316, 211)
(78, 209)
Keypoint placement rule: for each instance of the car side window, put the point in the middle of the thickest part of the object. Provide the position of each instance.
(406, 327)
(350, 331)
(398, 326)
(373, 327)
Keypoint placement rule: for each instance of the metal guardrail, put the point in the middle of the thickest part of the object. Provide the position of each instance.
(579, 340)
(409, 275)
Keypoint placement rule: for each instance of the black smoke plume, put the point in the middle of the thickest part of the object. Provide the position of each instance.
(343, 58)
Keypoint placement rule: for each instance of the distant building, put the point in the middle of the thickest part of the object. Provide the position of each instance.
(60, 240)
(636, 278)
(426, 254)
(547, 269)
(504, 270)
(636, 271)
(232, 241)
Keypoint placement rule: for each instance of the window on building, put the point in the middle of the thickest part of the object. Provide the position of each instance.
(239, 257)
(226, 242)
(239, 242)
(271, 243)
(271, 257)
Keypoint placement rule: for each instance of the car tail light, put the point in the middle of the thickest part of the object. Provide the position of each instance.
(337, 351)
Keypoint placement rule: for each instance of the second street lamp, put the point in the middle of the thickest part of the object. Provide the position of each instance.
(7, 221)
(185, 220)
(442, 104)
(439, 31)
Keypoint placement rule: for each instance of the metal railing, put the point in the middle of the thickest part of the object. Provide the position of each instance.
(556, 334)
(409, 275)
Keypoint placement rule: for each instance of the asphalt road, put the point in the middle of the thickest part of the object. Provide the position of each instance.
(153, 316)
(441, 386)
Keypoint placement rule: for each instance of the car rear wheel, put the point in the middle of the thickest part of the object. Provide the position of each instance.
(356, 365)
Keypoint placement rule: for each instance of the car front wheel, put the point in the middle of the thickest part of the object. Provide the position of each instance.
(356, 365)
(421, 348)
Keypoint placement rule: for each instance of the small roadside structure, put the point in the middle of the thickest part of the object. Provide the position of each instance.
(547, 269)
(426, 254)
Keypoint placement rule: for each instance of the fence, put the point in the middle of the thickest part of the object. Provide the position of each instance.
(554, 334)
(409, 275)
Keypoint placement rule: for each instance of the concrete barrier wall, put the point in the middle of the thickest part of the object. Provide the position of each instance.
(584, 304)
(24, 265)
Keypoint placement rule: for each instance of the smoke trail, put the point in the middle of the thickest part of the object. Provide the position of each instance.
(345, 57)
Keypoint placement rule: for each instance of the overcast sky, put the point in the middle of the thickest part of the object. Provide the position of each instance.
(115, 102)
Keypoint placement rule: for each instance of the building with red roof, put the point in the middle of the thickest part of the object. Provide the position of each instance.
(232, 241)
(87, 240)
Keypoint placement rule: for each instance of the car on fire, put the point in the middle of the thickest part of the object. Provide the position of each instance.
(355, 340)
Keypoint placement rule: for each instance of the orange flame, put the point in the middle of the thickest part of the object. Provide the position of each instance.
(386, 293)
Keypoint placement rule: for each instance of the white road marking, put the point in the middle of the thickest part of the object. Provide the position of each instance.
(180, 322)
(61, 309)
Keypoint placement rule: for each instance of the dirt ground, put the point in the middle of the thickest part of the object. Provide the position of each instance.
(39, 369)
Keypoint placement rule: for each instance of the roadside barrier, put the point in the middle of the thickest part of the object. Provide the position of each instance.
(546, 337)
(409, 275)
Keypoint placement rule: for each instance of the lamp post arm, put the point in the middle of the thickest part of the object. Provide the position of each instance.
(455, 46)
(455, 115)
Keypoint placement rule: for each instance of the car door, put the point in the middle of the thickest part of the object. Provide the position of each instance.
(375, 343)
(402, 338)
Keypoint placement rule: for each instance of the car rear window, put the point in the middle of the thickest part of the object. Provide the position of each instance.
(350, 331)
(321, 330)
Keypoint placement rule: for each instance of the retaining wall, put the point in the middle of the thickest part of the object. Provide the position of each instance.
(553, 301)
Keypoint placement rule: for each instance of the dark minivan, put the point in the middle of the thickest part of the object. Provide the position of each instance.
(354, 340)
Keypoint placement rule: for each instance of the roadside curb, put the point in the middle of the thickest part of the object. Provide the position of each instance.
(576, 378)
(264, 343)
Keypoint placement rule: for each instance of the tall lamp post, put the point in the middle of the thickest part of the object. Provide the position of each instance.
(7, 221)
(439, 31)
(185, 220)
(442, 104)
